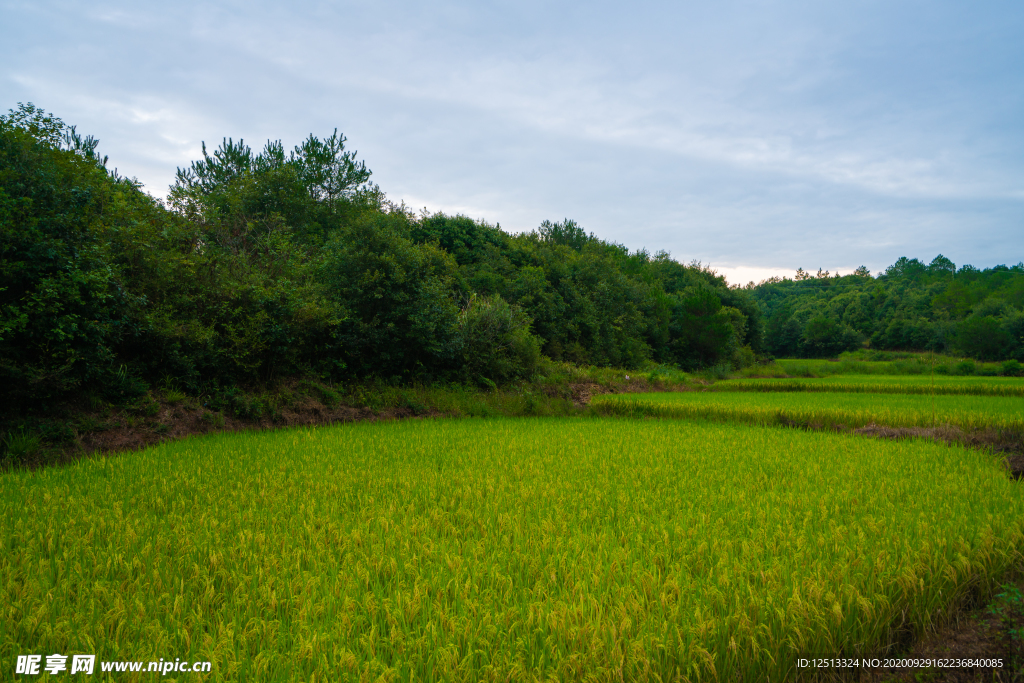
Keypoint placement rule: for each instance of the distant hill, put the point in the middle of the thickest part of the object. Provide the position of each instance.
(911, 306)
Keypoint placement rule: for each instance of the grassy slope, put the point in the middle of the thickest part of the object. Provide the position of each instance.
(559, 389)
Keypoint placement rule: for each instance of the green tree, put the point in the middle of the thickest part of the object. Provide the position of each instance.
(495, 341)
(63, 310)
(983, 338)
(398, 296)
(825, 338)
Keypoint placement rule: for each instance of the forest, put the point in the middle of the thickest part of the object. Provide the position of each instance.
(277, 264)
(912, 306)
(282, 263)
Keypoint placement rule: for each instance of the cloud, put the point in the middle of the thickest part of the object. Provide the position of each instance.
(771, 134)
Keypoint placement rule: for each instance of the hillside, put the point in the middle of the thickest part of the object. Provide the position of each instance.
(911, 306)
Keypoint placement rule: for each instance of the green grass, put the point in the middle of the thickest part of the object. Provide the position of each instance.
(529, 549)
(913, 384)
(847, 409)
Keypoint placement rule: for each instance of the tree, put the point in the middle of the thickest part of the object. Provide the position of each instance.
(825, 338)
(942, 265)
(495, 341)
(567, 232)
(314, 189)
(703, 331)
(398, 296)
(983, 338)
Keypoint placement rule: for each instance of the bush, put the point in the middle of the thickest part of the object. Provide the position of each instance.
(495, 341)
(743, 357)
(1012, 368)
(967, 367)
(983, 338)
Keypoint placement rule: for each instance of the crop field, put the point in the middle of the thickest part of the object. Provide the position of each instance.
(918, 365)
(849, 409)
(912, 384)
(501, 549)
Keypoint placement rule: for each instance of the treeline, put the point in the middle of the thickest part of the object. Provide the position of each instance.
(912, 306)
(282, 263)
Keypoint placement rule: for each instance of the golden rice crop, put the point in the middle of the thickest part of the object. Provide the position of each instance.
(826, 409)
(469, 550)
(875, 384)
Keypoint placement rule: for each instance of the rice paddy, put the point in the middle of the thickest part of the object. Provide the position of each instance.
(825, 409)
(502, 549)
(912, 384)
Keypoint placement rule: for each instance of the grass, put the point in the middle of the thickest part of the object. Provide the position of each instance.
(529, 549)
(847, 409)
(19, 446)
(914, 384)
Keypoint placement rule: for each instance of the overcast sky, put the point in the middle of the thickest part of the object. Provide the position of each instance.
(757, 137)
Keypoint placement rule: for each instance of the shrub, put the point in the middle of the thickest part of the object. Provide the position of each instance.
(1012, 368)
(20, 446)
(967, 367)
(983, 338)
(495, 341)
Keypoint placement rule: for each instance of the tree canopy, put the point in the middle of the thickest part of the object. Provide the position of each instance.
(911, 306)
(272, 264)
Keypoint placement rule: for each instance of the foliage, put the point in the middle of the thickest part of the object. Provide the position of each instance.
(273, 264)
(495, 341)
(912, 306)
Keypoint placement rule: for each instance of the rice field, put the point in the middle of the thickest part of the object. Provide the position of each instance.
(921, 364)
(501, 550)
(849, 409)
(906, 384)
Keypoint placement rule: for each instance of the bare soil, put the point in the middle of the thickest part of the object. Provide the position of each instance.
(998, 441)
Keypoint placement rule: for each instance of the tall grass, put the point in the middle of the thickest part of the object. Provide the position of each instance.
(500, 550)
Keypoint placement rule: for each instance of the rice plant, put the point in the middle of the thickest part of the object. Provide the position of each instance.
(824, 409)
(915, 384)
(500, 550)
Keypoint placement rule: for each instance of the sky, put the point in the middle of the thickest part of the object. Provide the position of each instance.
(756, 137)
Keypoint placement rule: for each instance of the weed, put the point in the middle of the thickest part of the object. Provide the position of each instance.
(173, 396)
(21, 445)
(1009, 607)
(215, 419)
(329, 397)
